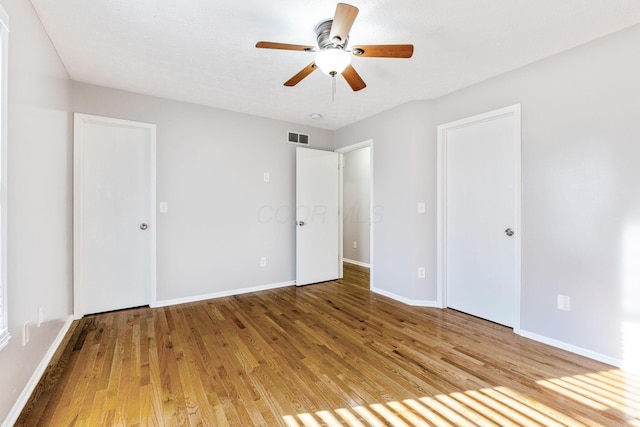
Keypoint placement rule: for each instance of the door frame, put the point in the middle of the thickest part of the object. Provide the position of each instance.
(78, 220)
(342, 151)
(443, 130)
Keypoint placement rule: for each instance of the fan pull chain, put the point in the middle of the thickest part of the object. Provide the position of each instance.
(333, 89)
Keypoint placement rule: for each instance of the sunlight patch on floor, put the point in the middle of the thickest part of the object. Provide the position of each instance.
(616, 394)
(368, 416)
(615, 391)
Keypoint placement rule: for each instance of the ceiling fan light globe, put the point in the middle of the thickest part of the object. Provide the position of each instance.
(333, 61)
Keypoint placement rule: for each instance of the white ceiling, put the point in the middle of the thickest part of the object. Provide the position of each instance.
(203, 51)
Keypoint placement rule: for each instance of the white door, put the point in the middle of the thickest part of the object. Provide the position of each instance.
(114, 215)
(481, 198)
(317, 216)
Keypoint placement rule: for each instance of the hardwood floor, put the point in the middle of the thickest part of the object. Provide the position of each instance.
(326, 354)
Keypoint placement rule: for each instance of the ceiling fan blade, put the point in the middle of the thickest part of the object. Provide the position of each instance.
(301, 75)
(342, 22)
(284, 46)
(384, 51)
(353, 78)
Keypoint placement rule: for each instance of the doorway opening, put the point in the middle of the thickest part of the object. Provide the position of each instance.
(356, 201)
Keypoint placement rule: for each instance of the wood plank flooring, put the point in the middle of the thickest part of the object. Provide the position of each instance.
(326, 354)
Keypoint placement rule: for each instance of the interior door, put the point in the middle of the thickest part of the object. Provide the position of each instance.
(317, 216)
(114, 224)
(481, 196)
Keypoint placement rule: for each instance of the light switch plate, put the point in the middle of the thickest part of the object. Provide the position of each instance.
(564, 303)
(422, 207)
(164, 207)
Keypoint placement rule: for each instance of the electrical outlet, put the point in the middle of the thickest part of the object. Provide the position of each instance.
(422, 207)
(263, 262)
(266, 177)
(40, 316)
(564, 303)
(422, 273)
(355, 245)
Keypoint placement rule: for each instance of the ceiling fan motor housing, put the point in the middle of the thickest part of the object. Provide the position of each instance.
(323, 31)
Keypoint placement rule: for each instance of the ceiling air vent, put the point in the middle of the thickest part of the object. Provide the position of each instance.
(298, 138)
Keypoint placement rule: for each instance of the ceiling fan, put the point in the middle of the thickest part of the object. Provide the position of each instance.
(333, 57)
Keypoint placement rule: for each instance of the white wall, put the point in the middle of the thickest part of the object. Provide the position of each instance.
(581, 210)
(39, 199)
(581, 187)
(357, 204)
(222, 216)
(404, 145)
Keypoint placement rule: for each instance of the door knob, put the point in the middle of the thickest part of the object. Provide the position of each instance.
(143, 226)
(509, 232)
(300, 223)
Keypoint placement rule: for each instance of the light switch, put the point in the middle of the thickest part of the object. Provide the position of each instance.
(422, 208)
(164, 207)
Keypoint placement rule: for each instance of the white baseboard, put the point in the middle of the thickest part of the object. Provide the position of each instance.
(572, 348)
(415, 303)
(36, 376)
(352, 261)
(196, 298)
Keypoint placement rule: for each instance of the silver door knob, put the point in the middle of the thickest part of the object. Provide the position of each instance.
(509, 232)
(143, 226)
(300, 223)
